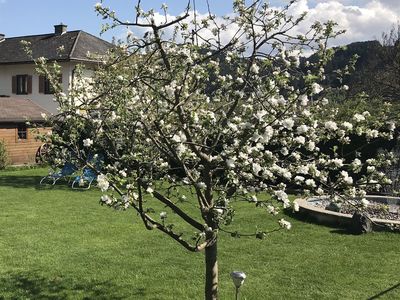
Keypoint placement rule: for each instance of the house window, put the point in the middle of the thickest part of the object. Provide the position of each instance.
(45, 86)
(22, 132)
(22, 84)
(48, 88)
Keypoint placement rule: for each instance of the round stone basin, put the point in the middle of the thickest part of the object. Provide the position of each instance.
(389, 218)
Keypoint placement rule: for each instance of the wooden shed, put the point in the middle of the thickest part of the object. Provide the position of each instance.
(21, 139)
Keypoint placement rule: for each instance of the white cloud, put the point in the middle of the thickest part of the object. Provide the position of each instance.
(365, 21)
(361, 23)
(207, 34)
(392, 4)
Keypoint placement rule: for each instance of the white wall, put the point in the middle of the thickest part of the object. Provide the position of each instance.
(46, 101)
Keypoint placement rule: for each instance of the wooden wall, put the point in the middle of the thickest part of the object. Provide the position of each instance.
(20, 151)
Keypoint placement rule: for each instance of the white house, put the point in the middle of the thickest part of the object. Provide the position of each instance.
(18, 78)
(24, 95)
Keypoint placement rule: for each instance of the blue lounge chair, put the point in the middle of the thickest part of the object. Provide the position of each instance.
(85, 180)
(65, 172)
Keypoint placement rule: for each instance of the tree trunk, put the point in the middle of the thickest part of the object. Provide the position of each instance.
(211, 287)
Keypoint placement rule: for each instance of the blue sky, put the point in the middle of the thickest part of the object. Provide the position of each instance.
(363, 19)
(26, 17)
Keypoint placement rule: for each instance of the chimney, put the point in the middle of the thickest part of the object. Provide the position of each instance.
(60, 29)
(2, 37)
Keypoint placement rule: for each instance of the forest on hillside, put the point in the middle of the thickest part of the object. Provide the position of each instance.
(374, 75)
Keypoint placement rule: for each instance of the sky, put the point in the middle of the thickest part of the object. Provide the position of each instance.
(363, 19)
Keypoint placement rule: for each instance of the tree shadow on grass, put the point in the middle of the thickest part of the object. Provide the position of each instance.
(388, 290)
(340, 227)
(32, 286)
(34, 181)
(336, 228)
(20, 181)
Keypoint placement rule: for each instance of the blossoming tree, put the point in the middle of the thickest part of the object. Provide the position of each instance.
(188, 112)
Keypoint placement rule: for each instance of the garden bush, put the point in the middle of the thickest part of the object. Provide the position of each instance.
(4, 161)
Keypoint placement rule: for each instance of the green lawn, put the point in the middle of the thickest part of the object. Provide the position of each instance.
(61, 244)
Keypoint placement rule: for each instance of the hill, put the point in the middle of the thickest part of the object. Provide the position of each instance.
(376, 71)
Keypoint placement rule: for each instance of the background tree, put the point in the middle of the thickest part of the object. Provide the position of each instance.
(389, 76)
(213, 111)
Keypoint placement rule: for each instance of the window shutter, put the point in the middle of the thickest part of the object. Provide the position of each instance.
(29, 84)
(41, 84)
(14, 84)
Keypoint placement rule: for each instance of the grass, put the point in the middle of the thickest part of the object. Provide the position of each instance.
(58, 243)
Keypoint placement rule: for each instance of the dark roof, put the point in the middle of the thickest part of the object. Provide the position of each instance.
(20, 110)
(76, 45)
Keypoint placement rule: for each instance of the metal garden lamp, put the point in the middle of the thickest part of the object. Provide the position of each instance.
(238, 279)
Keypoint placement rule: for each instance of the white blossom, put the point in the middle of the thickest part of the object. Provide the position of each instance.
(253, 198)
(300, 140)
(316, 88)
(346, 178)
(331, 125)
(255, 69)
(260, 114)
(324, 101)
(285, 224)
(303, 100)
(391, 125)
(364, 202)
(356, 165)
(296, 206)
(102, 182)
(299, 179)
(87, 142)
(296, 155)
(337, 162)
(347, 125)
(310, 146)
(230, 163)
(170, 90)
(310, 183)
(122, 173)
(272, 210)
(282, 196)
(106, 199)
(302, 169)
(302, 129)
(201, 185)
(372, 133)
(267, 135)
(288, 123)
(285, 151)
(256, 168)
(358, 118)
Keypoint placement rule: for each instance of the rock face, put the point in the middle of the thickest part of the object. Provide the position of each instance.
(360, 224)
